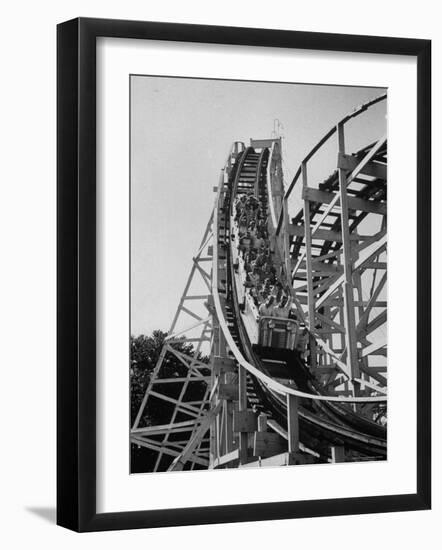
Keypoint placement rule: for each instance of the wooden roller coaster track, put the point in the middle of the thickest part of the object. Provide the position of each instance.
(320, 406)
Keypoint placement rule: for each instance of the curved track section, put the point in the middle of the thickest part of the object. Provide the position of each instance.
(318, 394)
(320, 427)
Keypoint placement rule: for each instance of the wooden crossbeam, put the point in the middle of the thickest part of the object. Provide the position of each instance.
(244, 421)
(166, 450)
(185, 340)
(266, 444)
(327, 349)
(172, 336)
(195, 440)
(293, 423)
(370, 252)
(374, 347)
(205, 277)
(322, 234)
(337, 454)
(375, 374)
(281, 459)
(371, 303)
(354, 203)
(377, 322)
(180, 379)
(182, 404)
(333, 324)
(165, 428)
(228, 458)
(372, 168)
(188, 361)
(372, 386)
(191, 313)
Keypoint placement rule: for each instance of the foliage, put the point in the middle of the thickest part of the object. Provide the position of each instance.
(144, 354)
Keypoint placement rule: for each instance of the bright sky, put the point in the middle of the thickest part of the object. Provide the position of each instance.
(181, 133)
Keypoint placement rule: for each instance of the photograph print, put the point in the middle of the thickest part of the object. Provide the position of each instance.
(258, 275)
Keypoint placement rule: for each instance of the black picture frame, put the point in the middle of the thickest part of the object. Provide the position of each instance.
(76, 273)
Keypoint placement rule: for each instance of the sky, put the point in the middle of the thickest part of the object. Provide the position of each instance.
(181, 133)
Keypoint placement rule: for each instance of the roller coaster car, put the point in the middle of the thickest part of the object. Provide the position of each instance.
(279, 333)
(279, 362)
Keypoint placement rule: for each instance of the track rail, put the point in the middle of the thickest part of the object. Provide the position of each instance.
(272, 384)
(273, 393)
(322, 420)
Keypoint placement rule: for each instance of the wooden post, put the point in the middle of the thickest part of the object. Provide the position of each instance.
(266, 444)
(286, 237)
(293, 423)
(358, 284)
(230, 437)
(277, 181)
(217, 338)
(242, 405)
(309, 265)
(262, 422)
(349, 310)
(337, 454)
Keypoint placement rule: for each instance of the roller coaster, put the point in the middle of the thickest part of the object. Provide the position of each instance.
(305, 383)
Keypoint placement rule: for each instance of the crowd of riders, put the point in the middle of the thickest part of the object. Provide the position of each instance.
(269, 295)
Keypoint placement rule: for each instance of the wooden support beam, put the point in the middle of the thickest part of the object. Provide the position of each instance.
(275, 460)
(354, 203)
(371, 303)
(180, 461)
(375, 323)
(374, 387)
(188, 409)
(178, 379)
(230, 440)
(375, 374)
(262, 422)
(331, 323)
(191, 313)
(373, 169)
(382, 342)
(293, 423)
(376, 369)
(337, 454)
(267, 444)
(308, 248)
(286, 236)
(334, 383)
(296, 459)
(260, 143)
(224, 364)
(240, 422)
(360, 165)
(184, 341)
(375, 265)
(326, 370)
(188, 361)
(186, 426)
(322, 234)
(155, 447)
(244, 421)
(370, 252)
(327, 268)
(229, 392)
(228, 459)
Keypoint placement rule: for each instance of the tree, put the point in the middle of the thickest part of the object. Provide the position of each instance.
(144, 354)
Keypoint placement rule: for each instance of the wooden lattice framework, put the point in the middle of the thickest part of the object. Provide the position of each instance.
(192, 324)
(332, 264)
(338, 280)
